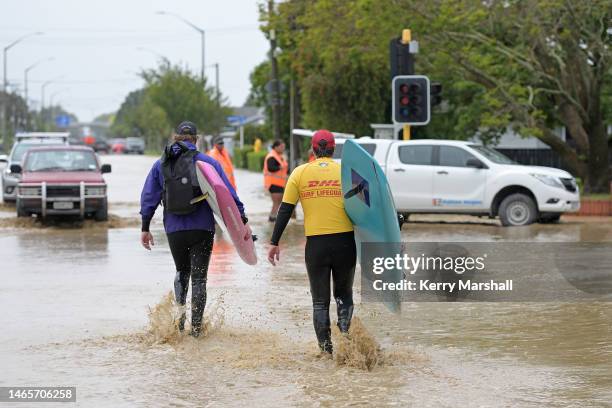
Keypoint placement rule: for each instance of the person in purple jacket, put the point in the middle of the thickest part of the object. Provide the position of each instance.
(188, 219)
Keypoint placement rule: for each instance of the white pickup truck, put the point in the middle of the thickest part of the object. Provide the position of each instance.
(454, 177)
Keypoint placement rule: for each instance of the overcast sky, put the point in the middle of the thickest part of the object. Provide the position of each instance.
(95, 45)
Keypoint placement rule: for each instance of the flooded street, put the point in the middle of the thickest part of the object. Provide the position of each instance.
(75, 307)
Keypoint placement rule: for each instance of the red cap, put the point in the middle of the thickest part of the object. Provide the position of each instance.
(324, 136)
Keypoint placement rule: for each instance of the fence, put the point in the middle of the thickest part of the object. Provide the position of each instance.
(540, 157)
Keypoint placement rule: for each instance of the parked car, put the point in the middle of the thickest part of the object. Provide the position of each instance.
(62, 180)
(135, 145)
(454, 177)
(76, 141)
(118, 145)
(23, 143)
(101, 146)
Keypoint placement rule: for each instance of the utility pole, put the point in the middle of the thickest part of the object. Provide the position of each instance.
(291, 124)
(275, 82)
(406, 38)
(217, 91)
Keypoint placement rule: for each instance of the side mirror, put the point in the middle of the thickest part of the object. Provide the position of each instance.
(16, 168)
(475, 163)
(106, 168)
(3, 158)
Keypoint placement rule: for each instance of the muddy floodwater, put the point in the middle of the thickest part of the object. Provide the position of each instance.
(77, 304)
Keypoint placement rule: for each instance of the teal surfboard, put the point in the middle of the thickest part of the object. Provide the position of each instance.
(369, 204)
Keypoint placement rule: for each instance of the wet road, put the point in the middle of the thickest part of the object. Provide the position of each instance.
(75, 305)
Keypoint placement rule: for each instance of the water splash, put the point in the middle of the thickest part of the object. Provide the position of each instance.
(163, 321)
(358, 348)
(164, 318)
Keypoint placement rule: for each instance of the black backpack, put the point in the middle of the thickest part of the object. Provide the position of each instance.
(180, 180)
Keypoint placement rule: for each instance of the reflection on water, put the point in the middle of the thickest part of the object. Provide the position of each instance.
(75, 308)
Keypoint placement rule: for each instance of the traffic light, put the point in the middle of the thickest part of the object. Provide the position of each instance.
(401, 60)
(411, 103)
(435, 93)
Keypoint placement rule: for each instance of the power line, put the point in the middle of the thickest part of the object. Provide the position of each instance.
(83, 81)
(246, 27)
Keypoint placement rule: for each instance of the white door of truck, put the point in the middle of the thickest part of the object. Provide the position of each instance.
(410, 174)
(455, 185)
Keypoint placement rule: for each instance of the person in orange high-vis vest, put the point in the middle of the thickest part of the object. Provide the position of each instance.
(221, 155)
(276, 170)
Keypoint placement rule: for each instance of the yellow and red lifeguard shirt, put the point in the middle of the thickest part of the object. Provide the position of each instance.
(317, 186)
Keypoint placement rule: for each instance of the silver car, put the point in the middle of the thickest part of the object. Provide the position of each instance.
(24, 142)
(135, 145)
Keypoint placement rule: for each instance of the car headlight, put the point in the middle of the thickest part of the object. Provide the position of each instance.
(29, 191)
(95, 191)
(549, 180)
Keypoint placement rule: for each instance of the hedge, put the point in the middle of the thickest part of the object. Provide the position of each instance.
(240, 156)
(255, 160)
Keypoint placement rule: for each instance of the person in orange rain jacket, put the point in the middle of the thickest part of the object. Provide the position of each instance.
(275, 172)
(311, 156)
(221, 155)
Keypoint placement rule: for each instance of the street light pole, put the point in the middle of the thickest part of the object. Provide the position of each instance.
(25, 87)
(149, 50)
(52, 108)
(42, 94)
(5, 53)
(217, 91)
(5, 83)
(195, 27)
(203, 53)
(54, 94)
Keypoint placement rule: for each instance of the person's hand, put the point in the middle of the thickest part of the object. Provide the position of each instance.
(248, 234)
(274, 254)
(146, 239)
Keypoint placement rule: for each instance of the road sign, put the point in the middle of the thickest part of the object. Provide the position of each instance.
(236, 119)
(62, 121)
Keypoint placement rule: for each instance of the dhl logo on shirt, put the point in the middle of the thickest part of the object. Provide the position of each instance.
(322, 188)
(324, 183)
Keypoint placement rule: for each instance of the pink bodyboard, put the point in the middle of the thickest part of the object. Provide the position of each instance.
(223, 205)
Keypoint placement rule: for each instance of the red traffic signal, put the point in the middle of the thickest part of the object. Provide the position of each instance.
(411, 99)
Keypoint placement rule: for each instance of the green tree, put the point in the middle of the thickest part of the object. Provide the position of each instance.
(541, 63)
(527, 65)
(170, 96)
(182, 95)
(140, 117)
(15, 114)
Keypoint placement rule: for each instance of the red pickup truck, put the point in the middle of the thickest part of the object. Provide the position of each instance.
(62, 180)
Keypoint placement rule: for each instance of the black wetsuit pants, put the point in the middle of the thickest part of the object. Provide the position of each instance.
(191, 251)
(334, 256)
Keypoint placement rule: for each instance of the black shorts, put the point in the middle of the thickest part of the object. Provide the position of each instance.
(276, 189)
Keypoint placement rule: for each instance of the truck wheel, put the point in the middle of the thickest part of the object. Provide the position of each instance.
(550, 218)
(517, 209)
(102, 213)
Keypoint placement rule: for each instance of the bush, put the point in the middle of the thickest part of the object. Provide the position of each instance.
(252, 132)
(240, 156)
(255, 160)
